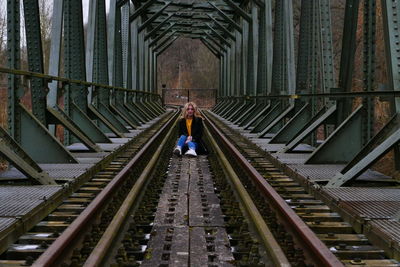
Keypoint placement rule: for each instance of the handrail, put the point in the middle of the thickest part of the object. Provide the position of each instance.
(70, 81)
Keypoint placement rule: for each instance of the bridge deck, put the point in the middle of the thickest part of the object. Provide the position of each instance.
(21, 205)
(371, 211)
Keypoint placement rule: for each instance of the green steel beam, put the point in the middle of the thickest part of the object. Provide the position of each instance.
(387, 138)
(283, 52)
(55, 52)
(347, 56)
(167, 45)
(226, 31)
(391, 10)
(226, 17)
(238, 10)
(97, 49)
(216, 49)
(343, 144)
(294, 126)
(158, 27)
(321, 117)
(141, 10)
(161, 35)
(35, 58)
(219, 36)
(166, 40)
(150, 20)
(74, 55)
(15, 154)
(369, 36)
(210, 48)
(211, 38)
(252, 52)
(15, 91)
(265, 50)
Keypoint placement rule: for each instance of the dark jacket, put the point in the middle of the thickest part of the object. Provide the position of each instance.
(197, 133)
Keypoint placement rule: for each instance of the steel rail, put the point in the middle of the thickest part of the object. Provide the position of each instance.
(312, 246)
(96, 258)
(55, 253)
(272, 247)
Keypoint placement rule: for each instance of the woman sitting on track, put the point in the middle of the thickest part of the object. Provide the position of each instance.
(190, 132)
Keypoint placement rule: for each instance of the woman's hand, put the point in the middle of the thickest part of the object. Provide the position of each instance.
(188, 139)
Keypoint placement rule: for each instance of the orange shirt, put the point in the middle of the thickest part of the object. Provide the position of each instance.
(189, 126)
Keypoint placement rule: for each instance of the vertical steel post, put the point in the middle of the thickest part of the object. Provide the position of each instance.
(264, 67)
(97, 50)
(115, 56)
(238, 48)
(369, 37)
(14, 88)
(55, 51)
(283, 62)
(35, 58)
(391, 24)
(252, 47)
(347, 57)
(244, 62)
(74, 55)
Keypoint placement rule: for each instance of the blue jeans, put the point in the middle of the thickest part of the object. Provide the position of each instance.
(182, 140)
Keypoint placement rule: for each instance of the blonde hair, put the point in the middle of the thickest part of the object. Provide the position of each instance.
(196, 110)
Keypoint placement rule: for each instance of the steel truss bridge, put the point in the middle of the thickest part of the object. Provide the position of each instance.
(104, 85)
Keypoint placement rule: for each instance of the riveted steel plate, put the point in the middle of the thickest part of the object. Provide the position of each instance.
(372, 209)
(6, 222)
(88, 160)
(57, 171)
(320, 172)
(316, 172)
(77, 147)
(20, 200)
(291, 158)
(99, 155)
(12, 173)
(66, 171)
(304, 148)
(386, 229)
(272, 147)
(120, 140)
(362, 194)
(108, 147)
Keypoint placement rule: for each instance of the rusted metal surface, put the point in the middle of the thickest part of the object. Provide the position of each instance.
(106, 241)
(275, 252)
(53, 255)
(312, 245)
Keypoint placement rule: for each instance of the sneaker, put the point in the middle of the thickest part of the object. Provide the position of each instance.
(178, 151)
(191, 153)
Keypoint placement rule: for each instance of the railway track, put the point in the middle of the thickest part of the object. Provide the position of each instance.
(351, 248)
(230, 208)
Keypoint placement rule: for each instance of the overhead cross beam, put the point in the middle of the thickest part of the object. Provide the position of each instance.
(156, 15)
(141, 10)
(238, 10)
(222, 27)
(227, 18)
(158, 27)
